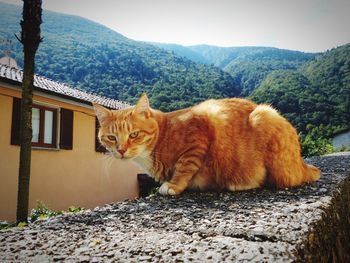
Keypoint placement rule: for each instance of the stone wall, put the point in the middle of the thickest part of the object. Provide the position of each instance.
(303, 224)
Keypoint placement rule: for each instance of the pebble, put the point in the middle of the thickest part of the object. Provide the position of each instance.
(322, 190)
(145, 258)
(83, 259)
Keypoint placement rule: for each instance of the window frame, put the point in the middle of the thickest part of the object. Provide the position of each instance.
(64, 124)
(54, 134)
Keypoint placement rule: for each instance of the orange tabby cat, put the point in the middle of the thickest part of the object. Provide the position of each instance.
(219, 144)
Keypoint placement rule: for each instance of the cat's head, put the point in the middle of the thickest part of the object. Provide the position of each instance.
(128, 133)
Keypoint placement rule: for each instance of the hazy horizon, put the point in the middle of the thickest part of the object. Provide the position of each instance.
(309, 26)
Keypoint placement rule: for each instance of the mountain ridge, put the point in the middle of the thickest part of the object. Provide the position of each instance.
(240, 62)
(97, 59)
(94, 58)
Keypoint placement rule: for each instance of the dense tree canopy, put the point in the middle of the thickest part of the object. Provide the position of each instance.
(247, 65)
(316, 94)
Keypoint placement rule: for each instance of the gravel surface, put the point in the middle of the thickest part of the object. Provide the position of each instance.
(262, 225)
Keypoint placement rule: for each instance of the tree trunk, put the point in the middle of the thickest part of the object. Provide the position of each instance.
(30, 38)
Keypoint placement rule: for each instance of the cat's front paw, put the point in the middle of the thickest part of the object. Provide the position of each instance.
(168, 189)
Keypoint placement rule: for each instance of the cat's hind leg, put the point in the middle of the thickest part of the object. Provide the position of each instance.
(253, 178)
(281, 149)
(286, 168)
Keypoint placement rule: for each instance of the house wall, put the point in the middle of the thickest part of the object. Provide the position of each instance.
(61, 178)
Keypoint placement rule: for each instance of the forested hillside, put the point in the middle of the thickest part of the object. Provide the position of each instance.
(250, 69)
(247, 65)
(317, 95)
(94, 58)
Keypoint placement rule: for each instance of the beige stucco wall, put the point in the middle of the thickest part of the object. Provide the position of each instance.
(61, 178)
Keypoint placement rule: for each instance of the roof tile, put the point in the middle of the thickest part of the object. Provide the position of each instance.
(60, 88)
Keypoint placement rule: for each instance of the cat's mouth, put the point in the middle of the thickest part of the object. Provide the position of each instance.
(128, 154)
(120, 156)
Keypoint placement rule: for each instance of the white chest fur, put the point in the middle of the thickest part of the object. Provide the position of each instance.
(145, 161)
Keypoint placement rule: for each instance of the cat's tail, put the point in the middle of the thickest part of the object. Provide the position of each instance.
(311, 173)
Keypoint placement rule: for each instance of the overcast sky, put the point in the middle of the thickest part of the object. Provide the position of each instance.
(306, 25)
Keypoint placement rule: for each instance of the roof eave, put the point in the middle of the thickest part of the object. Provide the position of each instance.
(49, 92)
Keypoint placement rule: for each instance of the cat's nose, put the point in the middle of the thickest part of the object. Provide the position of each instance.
(121, 151)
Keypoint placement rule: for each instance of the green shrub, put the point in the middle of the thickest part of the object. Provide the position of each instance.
(6, 225)
(74, 209)
(315, 144)
(41, 211)
(22, 224)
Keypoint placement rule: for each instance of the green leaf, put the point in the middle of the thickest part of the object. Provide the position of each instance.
(22, 224)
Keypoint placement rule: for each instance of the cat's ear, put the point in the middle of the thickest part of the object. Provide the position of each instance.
(101, 112)
(142, 106)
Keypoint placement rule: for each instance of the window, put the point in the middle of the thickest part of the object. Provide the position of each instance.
(44, 125)
(44, 121)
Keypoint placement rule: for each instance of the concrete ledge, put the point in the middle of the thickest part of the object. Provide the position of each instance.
(305, 224)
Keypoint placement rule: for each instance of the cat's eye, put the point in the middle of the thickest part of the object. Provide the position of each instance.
(133, 135)
(111, 138)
